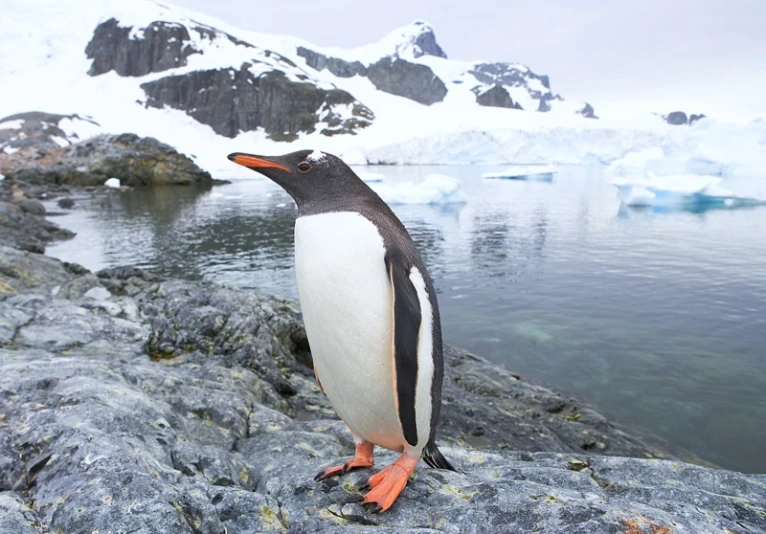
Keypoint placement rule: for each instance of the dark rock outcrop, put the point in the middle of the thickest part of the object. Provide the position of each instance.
(27, 231)
(695, 117)
(425, 43)
(497, 96)
(231, 101)
(588, 112)
(339, 67)
(137, 52)
(198, 436)
(136, 161)
(507, 74)
(676, 118)
(410, 80)
(37, 129)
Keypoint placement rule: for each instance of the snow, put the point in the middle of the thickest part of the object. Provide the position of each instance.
(369, 177)
(435, 189)
(316, 156)
(524, 172)
(681, 190)
(12, 125)
(114, 183)
(456, 131)
(2, 177)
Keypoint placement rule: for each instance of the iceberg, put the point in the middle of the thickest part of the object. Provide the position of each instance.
(681, 191)
(655, 160)
(539, 173)
(435, 189)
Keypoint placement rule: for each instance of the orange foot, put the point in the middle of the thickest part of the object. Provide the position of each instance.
(389, 483)
(362, 458)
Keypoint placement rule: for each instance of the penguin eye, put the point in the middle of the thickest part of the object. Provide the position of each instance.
(303, 166)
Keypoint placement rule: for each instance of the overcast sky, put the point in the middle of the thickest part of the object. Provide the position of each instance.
(707, 55)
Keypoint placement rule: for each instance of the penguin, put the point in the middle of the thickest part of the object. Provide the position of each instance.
(371, 316)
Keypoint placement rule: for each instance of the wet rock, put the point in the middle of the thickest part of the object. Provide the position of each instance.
(410, 80)
(30, 205)
(282, 106)
(65, 203)
(26, 231)
(97, 432)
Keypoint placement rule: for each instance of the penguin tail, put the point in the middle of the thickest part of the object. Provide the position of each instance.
(434, 458)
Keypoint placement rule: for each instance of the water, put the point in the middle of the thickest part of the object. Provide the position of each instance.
(656, 319)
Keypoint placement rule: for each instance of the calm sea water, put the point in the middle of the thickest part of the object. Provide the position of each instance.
(656, 319)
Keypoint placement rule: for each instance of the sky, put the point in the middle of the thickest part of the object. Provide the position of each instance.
(649, 55)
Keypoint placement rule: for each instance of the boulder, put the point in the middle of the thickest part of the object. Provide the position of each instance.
(135, 160)
(588, 112)
(410, 80)
(100, 432)
(236, 100)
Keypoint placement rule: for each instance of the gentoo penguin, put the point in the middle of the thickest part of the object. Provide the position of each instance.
(371, 316)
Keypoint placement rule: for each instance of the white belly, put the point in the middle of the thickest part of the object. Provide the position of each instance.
(346, 299)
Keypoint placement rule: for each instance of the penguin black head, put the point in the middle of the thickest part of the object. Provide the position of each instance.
(309, 176)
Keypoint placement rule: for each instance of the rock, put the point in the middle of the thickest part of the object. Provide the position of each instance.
(588, 112)
(410, 80)
(158, 47)
(135, 161)
(694, 118)
(27, 231)
(496, 96)
(97, 435)
(39, 130)
(231, 101)
(676, 118)
(339, 67)
(30, 205)
(423, 42)
(65, 203)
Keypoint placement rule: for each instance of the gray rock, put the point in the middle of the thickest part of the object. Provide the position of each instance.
(96, 434)
(588, 112)
(339, 67)
(496, 96)
(272, 101)
(30, 205)
(38, 129)
(25, 272)
(26, 231)
(66, 203)
(410, 80)
(694, 118)
(425, 43)
(136, 161)
(676, 118)
(156, 48)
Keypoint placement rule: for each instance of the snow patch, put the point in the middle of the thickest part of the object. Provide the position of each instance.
(114, 183)
(316, 156)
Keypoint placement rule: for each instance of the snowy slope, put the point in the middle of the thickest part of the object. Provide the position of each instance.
(43, 66)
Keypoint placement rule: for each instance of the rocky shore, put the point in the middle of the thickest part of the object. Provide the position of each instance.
(129, 403)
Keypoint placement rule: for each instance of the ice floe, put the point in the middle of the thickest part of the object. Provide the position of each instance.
(435, 189)
(539, 173)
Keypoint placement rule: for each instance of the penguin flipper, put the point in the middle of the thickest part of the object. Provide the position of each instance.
(406, 310)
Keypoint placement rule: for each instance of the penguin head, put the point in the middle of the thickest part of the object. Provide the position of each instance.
(309, 176)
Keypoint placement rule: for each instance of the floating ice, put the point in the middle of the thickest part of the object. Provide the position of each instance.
(656, 161)
(434, 189)
(681, 190)
(369, 177)
(540, 173)
(114, 183)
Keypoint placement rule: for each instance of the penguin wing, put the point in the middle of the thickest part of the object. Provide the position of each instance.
(407, 318)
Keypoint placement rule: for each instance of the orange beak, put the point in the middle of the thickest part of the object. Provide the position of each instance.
(253, 162)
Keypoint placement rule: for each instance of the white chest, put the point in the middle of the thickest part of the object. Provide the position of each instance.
(346, 299)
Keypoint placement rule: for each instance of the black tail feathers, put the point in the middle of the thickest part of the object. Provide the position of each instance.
(435, 459)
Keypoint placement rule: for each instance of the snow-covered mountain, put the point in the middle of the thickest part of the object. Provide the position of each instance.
(208, 89)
